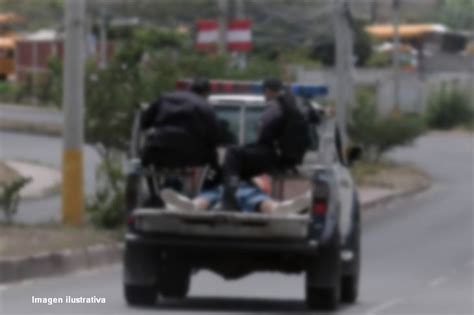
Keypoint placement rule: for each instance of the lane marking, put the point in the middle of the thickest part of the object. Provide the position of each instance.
(438, 281)
(385, 306)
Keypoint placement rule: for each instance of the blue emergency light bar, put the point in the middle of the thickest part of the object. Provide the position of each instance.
(249, 87)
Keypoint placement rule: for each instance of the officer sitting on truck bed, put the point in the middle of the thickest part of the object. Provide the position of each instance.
(182, 131)
(281, 144)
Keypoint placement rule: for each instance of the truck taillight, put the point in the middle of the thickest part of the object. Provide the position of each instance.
(130, 220)
(320, 207)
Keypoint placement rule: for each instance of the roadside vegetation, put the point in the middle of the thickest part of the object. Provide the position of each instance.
(450, 108)
(11, 184)
(378, 134)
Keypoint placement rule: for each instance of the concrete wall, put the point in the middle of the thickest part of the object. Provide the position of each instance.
(414, 89)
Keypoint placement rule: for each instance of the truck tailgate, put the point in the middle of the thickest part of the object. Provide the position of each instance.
(221, 224)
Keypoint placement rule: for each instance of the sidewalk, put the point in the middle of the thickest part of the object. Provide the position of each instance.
(44, 180)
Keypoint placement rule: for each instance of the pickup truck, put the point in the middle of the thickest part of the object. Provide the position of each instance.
(164, 248)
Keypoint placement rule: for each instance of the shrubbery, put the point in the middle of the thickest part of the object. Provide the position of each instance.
(448, 108)
(104, 208)
(377, 134)
(10, 197)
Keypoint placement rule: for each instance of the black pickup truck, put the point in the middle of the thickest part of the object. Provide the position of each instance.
(163, 248)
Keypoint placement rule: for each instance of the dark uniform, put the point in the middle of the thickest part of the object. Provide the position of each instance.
(184, 131)
(262, 156)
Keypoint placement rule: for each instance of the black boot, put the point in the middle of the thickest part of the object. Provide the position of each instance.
(229, 202)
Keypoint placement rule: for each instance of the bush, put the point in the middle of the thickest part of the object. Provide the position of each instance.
(448, 108)
(105, 207)
(376, 134)
(379, 60)
(10, 197)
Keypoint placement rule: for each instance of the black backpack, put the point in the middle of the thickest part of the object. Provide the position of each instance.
(294, 138)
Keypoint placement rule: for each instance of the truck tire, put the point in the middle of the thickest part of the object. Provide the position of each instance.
(175, 278)
(323, 276)
(322, 298)
(350, 277)
(140, 295)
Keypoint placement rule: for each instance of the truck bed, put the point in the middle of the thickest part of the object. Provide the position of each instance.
(221, 224)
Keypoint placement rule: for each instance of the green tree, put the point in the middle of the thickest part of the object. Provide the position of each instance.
(458, 14)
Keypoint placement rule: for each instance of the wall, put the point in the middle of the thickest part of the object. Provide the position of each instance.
(414, 89)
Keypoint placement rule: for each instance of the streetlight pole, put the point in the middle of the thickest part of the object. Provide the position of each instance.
(73, 105)
(396, 56)
(344, 60)
(223, 11)
(103, 38)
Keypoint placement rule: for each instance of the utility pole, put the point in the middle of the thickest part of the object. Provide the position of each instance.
(239, 9)
(103, 38)
(73, 105)
(223, 11)
(373, 11)
(396, 56)
(344, 61)
(241, 57)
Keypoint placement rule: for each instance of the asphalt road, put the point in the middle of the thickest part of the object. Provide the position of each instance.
(418, 258)
(48, 151)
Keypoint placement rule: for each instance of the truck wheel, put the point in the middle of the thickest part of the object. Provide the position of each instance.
(349, 289)
(140, 295)
(322, 298)
(350, 277)
(323, 276)
(175, 278)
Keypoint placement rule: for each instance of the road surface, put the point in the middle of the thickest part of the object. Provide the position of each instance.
(417, 258)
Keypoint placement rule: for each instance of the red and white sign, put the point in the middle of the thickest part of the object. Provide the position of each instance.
(239, 35)
(207, 35)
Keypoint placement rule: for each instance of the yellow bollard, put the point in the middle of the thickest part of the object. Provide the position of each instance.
(72, 187)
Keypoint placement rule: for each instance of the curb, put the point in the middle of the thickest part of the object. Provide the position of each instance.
(59, 263)
(373, 204)
(67, 261)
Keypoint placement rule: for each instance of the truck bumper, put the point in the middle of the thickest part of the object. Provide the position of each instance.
(202, 244)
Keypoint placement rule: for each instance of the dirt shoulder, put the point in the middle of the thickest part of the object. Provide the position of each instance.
(390, 175)
(23, 241)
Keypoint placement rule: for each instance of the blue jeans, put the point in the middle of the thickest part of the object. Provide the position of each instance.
(248, 197)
